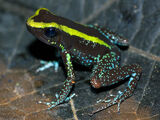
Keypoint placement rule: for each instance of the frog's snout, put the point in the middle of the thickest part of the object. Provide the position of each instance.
(95, 83)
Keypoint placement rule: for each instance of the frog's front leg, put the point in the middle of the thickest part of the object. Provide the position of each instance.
(64, 92)
(47, 65)
(108, 73)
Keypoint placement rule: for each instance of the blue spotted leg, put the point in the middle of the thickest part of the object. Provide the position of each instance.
(62, 96)
(111, 74)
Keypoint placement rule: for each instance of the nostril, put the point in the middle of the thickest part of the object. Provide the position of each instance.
(95, 83)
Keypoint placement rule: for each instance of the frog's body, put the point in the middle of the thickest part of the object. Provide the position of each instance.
(89, 45)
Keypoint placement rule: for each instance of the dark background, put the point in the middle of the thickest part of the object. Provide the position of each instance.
(20, 52)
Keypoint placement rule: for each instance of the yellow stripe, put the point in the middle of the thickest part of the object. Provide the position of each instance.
(64, 28)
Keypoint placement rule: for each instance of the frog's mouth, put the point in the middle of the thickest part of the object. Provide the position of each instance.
(39, 33)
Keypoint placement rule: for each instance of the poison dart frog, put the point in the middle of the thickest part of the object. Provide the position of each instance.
(90, 45)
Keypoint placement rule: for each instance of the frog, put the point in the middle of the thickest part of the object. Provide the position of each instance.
(89, 45)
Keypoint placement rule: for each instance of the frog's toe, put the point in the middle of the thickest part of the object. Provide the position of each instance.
(50, 104)
(70, 97)
(104, 100)
(117, 100)
(107, 99)
(46, 103)
(47, 65)
(113, 99)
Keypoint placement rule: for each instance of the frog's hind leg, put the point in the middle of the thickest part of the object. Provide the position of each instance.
(111, 36)
(115, 75)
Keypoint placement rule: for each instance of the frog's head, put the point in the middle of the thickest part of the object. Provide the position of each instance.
(44, 26)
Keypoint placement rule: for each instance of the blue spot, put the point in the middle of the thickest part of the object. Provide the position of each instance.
(134, 74)
(130, 81)
(112, 65)
(127, 75)
(110, 68)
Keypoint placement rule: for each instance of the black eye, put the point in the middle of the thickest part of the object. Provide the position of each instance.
(50, 32)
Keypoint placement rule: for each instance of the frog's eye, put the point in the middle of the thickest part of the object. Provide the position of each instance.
(50, 32)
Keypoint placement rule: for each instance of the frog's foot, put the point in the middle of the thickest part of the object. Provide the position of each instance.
(107, 99)
(113, 99)
(53, 104)
(50, 104)
(47, 65)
